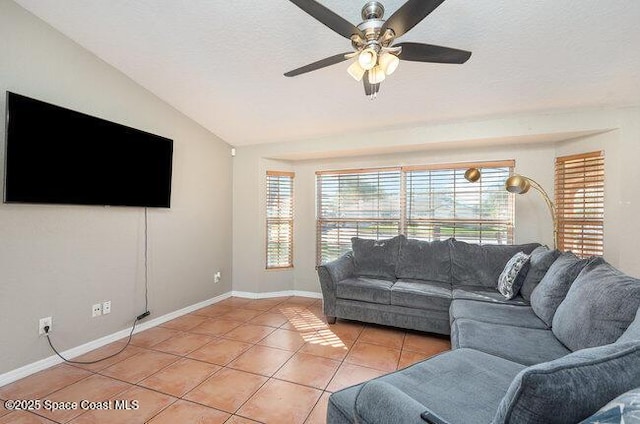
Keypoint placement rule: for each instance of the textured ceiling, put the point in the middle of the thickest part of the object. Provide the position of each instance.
(221, 62)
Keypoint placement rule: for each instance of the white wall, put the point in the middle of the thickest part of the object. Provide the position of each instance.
(59, 260)
(531, 140)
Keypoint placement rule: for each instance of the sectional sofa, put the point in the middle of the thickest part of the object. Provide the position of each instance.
(562, 349)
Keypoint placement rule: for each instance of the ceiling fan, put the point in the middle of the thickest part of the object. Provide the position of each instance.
(372, 40)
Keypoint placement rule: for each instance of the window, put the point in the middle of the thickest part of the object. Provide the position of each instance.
(427, 202)
(279, 219)
(579, 193)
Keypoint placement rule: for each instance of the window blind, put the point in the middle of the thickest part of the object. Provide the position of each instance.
(441, 203)
(356, 203)
(279, 219)
(426, 202)
(579, 199)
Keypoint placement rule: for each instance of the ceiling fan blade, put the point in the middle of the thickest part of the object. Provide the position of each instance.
(319, 64)
(327, 17)
(369, 89)
(410, 14)
(418, 52)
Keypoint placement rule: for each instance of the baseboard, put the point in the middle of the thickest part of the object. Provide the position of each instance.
(45, 363)
(27, 370)
(268, 295)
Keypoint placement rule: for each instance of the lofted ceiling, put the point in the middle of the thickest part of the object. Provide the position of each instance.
(222, 62)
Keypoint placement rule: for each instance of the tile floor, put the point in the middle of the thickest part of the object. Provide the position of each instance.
(238, 361)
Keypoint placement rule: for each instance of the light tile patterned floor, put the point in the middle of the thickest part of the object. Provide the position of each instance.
(236, 362)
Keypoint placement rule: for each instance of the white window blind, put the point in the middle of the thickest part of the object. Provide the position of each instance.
(441, 203)
(356, 203)
(579, 195)
(279, 219)
(427, 202)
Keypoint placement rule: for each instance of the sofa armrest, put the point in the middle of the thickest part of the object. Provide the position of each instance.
(330, 274)
(380, 402)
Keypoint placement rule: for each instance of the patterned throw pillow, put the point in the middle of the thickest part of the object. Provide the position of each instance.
(623, 409)
(513, 275)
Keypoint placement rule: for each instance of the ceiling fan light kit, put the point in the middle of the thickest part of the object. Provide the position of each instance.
(372, 39)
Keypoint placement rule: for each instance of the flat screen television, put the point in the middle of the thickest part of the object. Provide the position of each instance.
(56, 155)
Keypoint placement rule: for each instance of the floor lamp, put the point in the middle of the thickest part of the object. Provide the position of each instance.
(519, 184)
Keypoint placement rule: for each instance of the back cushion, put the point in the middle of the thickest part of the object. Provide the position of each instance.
(632, 333)
(424, 260)
(599, 307)
(555, 284)
(376, 258)
(539, 263)
(572, 388)
(476, 265)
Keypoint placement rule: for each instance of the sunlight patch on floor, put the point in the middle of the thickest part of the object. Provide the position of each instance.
(311, 328)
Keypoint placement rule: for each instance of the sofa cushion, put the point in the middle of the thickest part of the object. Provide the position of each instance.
(424, 260)
(623, 409)
(421, 294)
(555, 284)
(539, 262)
(496, 313)
(485, 294)
(571, 388)
(599, 307)
(376, 258)
(365, 290)
(632, 332)
(512, 276)
(526, 346)
(462, 386)
(481, 265)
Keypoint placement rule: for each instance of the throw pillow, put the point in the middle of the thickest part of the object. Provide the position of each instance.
(571, 388)
(623, 409)
(539, 263)
(512, 277)
(599, 307)
(632, 332)
(376, 258)
(553, 287)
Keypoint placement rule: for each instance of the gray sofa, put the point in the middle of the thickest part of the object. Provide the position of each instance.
(410, 283)
(557, 354)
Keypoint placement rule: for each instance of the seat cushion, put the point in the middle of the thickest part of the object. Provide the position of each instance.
(481, 265)
(485, 294)
(572, 388)
(599, 307)
(539, 262)
(555, 284)
(365, 290)
(632, 332)
(421, 294)
(376, 258)
(496, 313)
(526, 346)
(461, 386)
(424, 260)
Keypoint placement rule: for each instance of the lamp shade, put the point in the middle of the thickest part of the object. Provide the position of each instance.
(517, 184)
(368, 58)
(389, 63)
(472, 175)
(356, 71)
(376, 75)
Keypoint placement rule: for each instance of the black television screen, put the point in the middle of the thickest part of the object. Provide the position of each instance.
(56, 155)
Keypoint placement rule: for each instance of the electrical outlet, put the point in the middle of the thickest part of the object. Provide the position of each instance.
(216, 277)
(48, 321)
(106, 307)
(96, 310)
